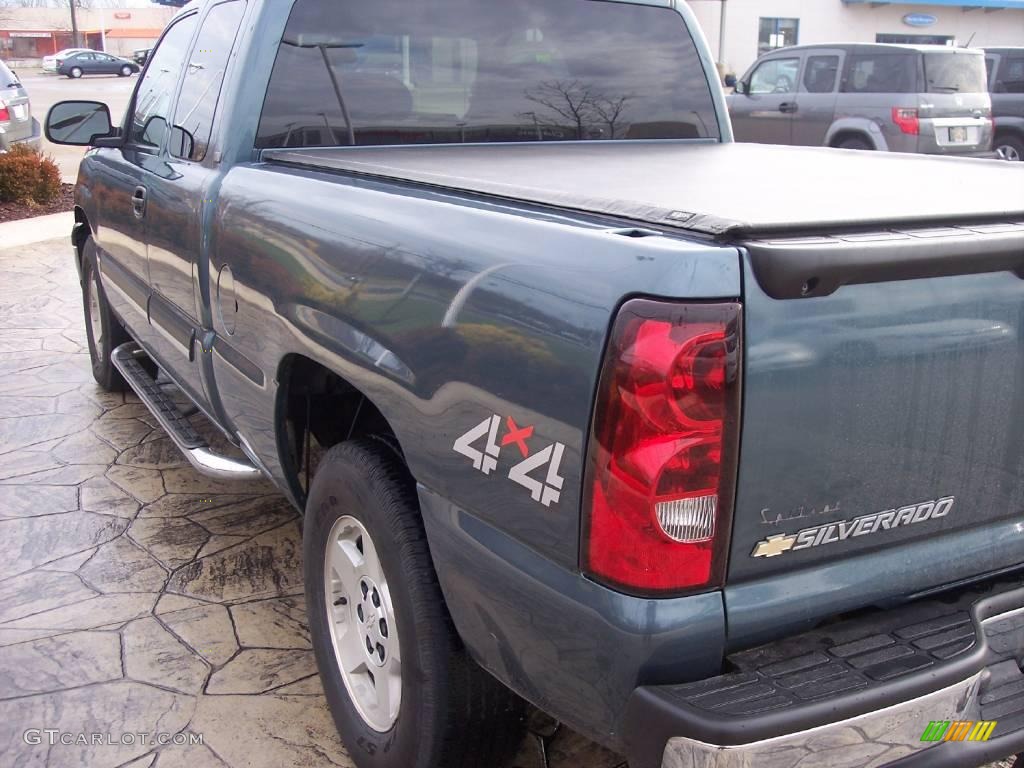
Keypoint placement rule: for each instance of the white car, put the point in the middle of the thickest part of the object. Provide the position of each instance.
(50, 62)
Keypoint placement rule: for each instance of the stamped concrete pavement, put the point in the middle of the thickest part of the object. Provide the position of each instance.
(137, 597)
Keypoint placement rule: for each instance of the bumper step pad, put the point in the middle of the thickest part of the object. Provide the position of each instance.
(879, 659)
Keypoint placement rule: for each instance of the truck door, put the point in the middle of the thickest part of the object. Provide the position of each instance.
(124, 176)
(764, 113)
(178, 203)
(816, 99)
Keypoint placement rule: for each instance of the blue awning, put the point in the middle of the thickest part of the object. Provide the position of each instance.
(993, 4)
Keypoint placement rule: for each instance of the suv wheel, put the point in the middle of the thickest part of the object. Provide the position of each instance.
(855, 143)
(401, 688)
(103, 330)
(1010, 148)
(75, 73)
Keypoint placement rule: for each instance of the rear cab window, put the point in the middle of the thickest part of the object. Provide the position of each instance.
(452, 71)
(955, 72)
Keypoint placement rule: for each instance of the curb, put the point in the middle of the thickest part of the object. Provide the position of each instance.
(37, 229)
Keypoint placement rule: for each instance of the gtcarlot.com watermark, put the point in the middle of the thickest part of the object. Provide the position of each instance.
(51, 737)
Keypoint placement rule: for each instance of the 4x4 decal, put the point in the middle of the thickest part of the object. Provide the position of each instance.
(546, 490)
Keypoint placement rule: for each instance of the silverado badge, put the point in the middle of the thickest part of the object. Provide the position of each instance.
(865, 525)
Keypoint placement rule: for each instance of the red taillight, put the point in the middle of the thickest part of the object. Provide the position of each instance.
(662, 456)
(907, 120)
(5, 114)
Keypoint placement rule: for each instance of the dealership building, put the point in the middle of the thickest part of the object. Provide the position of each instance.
(753, 27)
(28, 34)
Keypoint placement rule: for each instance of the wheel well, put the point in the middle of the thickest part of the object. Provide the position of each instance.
(316, 409)
(842, 136)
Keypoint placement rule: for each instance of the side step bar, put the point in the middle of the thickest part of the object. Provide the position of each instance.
(199, 454)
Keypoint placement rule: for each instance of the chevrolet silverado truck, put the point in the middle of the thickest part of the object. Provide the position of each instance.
(713, 452)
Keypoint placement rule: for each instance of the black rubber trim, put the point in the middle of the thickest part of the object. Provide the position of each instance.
(859, 661)
(238, 361)
(165, 315)
(158, 400)
(818, 266)
(130, 285)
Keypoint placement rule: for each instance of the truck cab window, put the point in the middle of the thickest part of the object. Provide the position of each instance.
(150, 120)
(204, 73)
(451, 71)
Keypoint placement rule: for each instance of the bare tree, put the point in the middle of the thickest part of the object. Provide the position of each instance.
(610, 112)
(577, 104)
(570, 100)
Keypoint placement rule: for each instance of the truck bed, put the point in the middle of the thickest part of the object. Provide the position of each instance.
(812, 219)
(729, 191)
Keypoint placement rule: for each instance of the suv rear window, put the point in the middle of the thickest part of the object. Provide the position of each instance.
(955, 73)
(881, 72)
(7, 78)
(447, 71)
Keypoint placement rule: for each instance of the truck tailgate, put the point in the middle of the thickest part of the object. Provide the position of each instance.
(880, 412)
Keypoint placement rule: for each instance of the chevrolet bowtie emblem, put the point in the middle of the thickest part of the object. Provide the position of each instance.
(774, 546)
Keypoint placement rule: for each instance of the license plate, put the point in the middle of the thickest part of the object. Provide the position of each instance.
(19, 111)
(958, 135)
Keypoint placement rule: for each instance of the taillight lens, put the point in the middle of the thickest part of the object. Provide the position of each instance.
(661, 469)
(907, 120)
(5, 114)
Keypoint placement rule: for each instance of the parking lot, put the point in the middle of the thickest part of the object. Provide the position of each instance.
(45, 90)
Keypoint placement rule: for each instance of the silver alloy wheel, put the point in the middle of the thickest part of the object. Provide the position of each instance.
(92, 298)
(1007, 152)
(362, 624)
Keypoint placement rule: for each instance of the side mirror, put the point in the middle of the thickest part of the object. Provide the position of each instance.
(80, 124)
(743, 87)
(731, 81)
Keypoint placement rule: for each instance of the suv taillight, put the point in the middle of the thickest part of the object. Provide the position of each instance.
(661, 469)
(907, 120)
(5, 114)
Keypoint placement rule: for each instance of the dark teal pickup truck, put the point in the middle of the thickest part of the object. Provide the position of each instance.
(714, 452)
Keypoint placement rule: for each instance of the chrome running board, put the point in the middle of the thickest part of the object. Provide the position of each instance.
(198, 452)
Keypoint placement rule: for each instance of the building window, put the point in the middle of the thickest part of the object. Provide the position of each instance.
(777, 33)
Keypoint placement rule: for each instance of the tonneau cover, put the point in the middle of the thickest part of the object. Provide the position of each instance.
(729, 191)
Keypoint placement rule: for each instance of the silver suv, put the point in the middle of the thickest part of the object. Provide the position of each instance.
(899, 98)
(17, 125)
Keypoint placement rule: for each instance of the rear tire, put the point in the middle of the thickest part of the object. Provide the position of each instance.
(75, 73)
(1010, 148)
(855, 143)
(126, 71)
(103, 330)
(450, 713)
